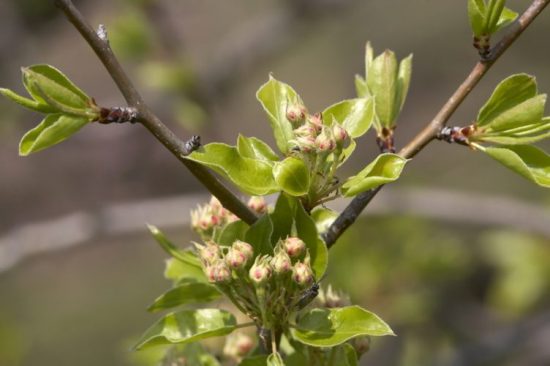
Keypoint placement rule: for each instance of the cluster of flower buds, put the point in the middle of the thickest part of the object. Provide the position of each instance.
(217, 265)
(207, 217)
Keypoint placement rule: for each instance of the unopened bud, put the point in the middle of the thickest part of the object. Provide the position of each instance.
(257, 204)
(237, 346)
(208, 253)
(302, 274)
(306, 130)
(296, 113)
(325, 142)
(235, 259)
(281, 262)
(260, 272)
(341, 136)
(361, 345)
(316, 121)
(294, 246)
(218, 272)
(305, 143)
(244, 248)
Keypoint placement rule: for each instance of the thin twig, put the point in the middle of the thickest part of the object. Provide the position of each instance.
(358, 204)
(101, 47)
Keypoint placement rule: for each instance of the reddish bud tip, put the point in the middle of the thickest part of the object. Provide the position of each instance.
(293, 246)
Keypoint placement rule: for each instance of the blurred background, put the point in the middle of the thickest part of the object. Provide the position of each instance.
(455, 257)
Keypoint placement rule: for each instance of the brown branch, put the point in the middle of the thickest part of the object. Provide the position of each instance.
(358, 204)
(100, 44)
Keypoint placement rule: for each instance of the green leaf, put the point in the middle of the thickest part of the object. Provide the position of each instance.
(275, 359)
(346, 152)
(323, 218)
(355, 115)
(178, 271)
(233, 231)
(282, 217)
(275, 97)
(403, 82)
(251, 176)
(384, 169)
(260, 360)
(492, 15)
(476, 14)
(46, 79)
(26, 102)
(166, 244)
(188, 326)
(343, 355)
(528, 112)
(526, 160)
(254, 148)
(331, 327)
(259, 236)
(52, 130)
(292, 176)
(509, 93)
(507, 17)
(187, 293)
(361, 87)
(307, 231)
(382, 83)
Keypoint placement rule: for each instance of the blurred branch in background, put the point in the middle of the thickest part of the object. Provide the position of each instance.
(85, 228)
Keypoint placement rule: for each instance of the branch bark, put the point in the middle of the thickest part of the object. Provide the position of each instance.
(147, 118)
(429, 133)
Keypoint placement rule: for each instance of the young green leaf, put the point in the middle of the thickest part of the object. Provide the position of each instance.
(252, 176)
(259, 236)
(361, 88)
(323, 218)
(507, 17)
(508, 94)
(231, 232)
(186, 293)
(355, 115)
(254, 148)
(179, 272)
(46, 81)
(525, 113)
(307, 231)
(170, 248)
(476, 14)
(188, 326)
(331, 327)
(382, 83)
(26, 102)
(292, 176)
(526, 160)
(403, 82)
(275, 97)
(52, 130)
(384, 169)
(275, 359)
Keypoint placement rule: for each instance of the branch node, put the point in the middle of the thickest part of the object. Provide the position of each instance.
(102, 33)
(117, 115)
(192, 144)
(458, 135)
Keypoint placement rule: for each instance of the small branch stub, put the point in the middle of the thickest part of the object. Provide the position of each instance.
(458, 135)
(385, 140)
(192, 144)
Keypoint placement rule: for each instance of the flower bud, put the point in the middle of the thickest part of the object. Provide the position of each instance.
(257, 204)
(261, 270)
(202, 219)
(244, 248)
(293, 246)
(281, 262)
(325, 142)
(237, 346)
(296, 113)
(305, 143)
(235, 259)
(208, 253)
(218, 272)
(361, 345)
(302, 274)
(316, 121)
(341, 136)
(306, 130)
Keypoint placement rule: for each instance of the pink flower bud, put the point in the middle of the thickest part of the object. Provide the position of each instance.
(361, 344)
(257, 204)
(244, 248)
(218, 272)
(296, 113)
(302, 274)
(237, 346)
(325, 142)
(316, 121)
(293, 246)
(281, 262)
(306, 130)
(261, 270)
(235, 259)
(208, 253)
(305, 143)
(341, 136)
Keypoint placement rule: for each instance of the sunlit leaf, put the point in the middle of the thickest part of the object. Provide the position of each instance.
(188, 326)
(382, 83)
(252, 176)
(26, 102)
(476, 14)
(187, 293)
(53, 129)
(355, 115)
(259, 236)
(331, 327)
(323, 217)
(275, 97)
(384, 169)
(307, 231)
(526, 160)
(231, 232)
(275, 359)
(403, 82)
(292, 176)
(254, 148)
(179, 271)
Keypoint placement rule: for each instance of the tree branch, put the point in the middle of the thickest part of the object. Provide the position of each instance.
(100, 45)
(358, 204)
